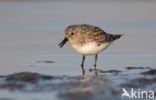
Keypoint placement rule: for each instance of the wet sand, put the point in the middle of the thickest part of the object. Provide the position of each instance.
(92, 87)
(32, 66)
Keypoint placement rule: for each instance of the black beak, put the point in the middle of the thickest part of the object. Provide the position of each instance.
(63, 42)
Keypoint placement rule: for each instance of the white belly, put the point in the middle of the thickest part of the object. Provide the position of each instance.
(90, 48)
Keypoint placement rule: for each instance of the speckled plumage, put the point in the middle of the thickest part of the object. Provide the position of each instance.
(88, 40)
(85, 33)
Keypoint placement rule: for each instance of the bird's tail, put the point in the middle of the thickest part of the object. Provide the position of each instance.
(116, 36)
(112, 37)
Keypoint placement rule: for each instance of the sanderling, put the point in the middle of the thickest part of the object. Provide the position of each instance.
(88, 40)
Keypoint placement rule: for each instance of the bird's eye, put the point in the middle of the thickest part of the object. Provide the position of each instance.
(72, 33)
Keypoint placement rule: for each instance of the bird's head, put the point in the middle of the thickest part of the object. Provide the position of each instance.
(70, 33)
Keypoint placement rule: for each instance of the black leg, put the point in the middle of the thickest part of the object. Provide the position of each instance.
(96, 57)
(83, 59)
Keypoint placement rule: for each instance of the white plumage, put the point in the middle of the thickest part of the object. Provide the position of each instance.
(90, 48)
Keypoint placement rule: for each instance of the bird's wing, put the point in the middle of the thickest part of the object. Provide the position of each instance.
(96, 34)
(99, 35)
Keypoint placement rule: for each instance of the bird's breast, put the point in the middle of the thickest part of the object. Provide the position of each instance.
(90, 48)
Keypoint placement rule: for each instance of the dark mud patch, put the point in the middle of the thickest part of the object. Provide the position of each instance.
(20, 81)
(133, 68)
(27, 77)
(129, 85)
(45, 61)
(142, 82)
(150, 72)
(102, 71)
(12, 86)
(42, 62)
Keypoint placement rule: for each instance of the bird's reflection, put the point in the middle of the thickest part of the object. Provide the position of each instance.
(92, 70)
(97, 71)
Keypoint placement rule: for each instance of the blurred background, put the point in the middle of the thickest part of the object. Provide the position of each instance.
(37, 26)
(30, 31)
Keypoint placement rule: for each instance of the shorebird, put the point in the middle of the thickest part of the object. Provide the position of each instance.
(88, 40)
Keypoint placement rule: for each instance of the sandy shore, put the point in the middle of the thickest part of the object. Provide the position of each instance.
(107, 84)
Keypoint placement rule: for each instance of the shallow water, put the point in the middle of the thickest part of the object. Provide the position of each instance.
(31, 31)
